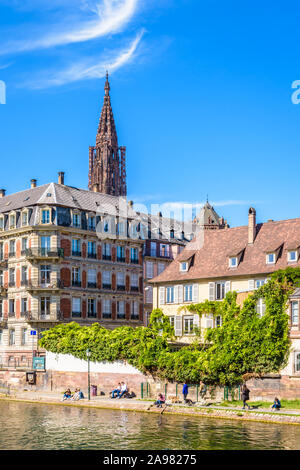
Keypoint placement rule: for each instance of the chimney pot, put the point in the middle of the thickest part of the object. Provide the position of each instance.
(33, 183)
(2, 192)
(61, 177)
(96, 188)
(251, 225)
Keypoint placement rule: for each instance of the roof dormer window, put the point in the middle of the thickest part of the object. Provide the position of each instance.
(24, 218)
(233, 262)
(293, 256)
(76, 220)
(271, 258)
(12, 221)
(45, 216)
(1, 222)
(184, 266)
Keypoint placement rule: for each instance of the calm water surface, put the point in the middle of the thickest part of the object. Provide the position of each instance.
(35, 426)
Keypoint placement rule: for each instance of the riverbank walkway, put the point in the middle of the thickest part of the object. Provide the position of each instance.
(283, 416)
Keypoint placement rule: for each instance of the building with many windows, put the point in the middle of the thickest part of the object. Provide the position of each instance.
(234, 259)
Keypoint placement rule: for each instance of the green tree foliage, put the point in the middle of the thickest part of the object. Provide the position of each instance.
(245, 345)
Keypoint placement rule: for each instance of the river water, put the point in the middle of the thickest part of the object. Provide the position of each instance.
(36, 426)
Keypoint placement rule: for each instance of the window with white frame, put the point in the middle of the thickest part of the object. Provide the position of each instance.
(121, 309)
(184, 266)
(297, 361)
(23, 336)
(149, 295)
(45, 306)
(120, 253)
(11, 306)
(24, 304)
(107, 251)
(170, 295)
(76, 276)
(92, 250)
(12, 336)
(12, 221)
(92, 308)
(76, 220)
(172, 321)
(295, 312)
(149, 269)
(292, 256)
(188, 293)
(76, 247)
(220, 290)
(121, 280)
(188, 325)
(92, 278)
(153, 249)
(92, 222)
(260, 307)
(12, 248)
(233, 262)
(45, 273)
(1, 278)
(24, 275)
(76, 307)
(106, 279)
(1, 251)
(45, 219)
(134, 310)
(106, 308)
(270, 258)
(24, 218)
(259, 283)
(134, 255)
(11, 277)
(134, 282)
(24, 244)
(1, 223)
(165, 250)
(45, 244)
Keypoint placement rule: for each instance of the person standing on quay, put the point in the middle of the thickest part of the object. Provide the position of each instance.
(185, 391)
(245, 396)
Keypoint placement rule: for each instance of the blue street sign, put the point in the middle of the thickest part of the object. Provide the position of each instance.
(33, 333)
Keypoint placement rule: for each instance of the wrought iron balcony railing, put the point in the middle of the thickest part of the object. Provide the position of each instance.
(43, 253)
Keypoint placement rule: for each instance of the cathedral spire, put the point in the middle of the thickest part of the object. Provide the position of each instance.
(107, 167)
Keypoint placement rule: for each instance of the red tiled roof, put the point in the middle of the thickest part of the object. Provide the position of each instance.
(212, 260)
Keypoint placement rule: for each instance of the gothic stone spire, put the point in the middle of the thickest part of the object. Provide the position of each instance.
(107, 166)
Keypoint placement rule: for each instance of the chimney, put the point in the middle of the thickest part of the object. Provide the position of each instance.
(96, 188)
(130, 203)
(61, 177)
(33, 183)
(2, 192)
(251, 225)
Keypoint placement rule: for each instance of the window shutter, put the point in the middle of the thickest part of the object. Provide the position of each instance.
(251, 284)
(195, 292)
(176, 294)
(209, 321)
(196, 321)
(161, 295)
(180, 294)
(211, 291)
(178, 325)
(227, 286)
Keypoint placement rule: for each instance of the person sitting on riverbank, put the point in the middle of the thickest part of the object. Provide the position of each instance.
(67, 395)
(124, 389)
(276, 405)
(78, 395)
(161, 400)
(117, 391)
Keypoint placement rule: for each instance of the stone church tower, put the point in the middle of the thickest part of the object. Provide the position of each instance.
(107, 165)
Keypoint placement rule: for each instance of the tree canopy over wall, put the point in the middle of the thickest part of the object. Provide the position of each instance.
(244, 345)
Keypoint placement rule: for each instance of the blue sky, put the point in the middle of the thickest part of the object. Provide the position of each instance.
(201, 93)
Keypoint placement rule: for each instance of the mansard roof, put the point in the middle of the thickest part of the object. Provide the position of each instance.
(211, 250)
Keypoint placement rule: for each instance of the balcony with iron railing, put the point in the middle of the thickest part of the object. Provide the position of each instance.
(3, 288)
(36, 286)
(134, 288)
(121, 259)
(76, 283)
(92, 285)
(76, 253)
(134, 261)
(12, 254)
(43, 253)
(42, 317)
(106, 286)
(92, 255)
(3, 263)
(121, 287)
(76, 314)
(106, 257)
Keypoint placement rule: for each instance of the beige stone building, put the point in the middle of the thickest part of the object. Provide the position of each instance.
(234, 259)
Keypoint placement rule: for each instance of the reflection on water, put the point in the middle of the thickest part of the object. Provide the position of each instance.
(34, 426)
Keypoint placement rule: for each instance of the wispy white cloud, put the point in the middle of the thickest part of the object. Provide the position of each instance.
(108, 17)
(87, 69)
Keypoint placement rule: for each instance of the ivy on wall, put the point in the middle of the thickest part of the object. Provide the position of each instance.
(244, 345)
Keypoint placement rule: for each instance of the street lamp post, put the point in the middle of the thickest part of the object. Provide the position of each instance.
(88, 355)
